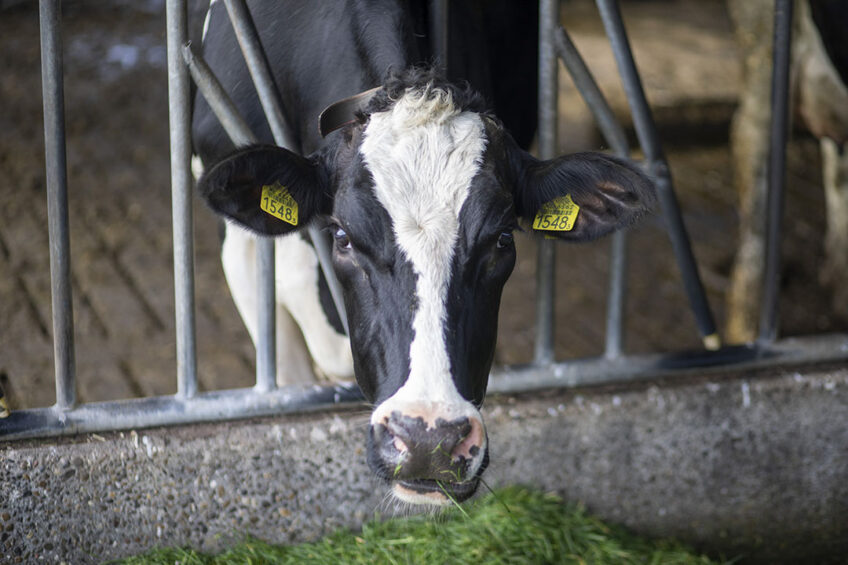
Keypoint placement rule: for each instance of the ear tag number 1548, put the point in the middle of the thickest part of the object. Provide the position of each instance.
(277, 201)
(557, 215)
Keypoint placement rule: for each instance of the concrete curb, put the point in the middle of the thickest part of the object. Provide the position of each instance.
(752, 464)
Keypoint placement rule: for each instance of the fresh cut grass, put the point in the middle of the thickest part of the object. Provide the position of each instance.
(513, 525)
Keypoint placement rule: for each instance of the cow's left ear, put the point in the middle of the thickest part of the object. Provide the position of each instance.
(267, 189)
(582, 196)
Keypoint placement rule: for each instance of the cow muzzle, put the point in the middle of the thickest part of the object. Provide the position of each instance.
(429, 461)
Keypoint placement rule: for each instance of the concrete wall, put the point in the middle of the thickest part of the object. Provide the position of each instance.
(747, 463)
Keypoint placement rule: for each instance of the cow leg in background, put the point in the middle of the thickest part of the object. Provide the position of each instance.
(823, 105)
(238, 258)
(753, 22)
(298, 291)
(835, 270)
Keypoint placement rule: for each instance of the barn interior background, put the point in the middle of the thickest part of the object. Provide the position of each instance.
(120, 205)
(117, 127)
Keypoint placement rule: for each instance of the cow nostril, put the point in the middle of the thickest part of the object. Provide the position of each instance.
(399, 444)
(470, 444)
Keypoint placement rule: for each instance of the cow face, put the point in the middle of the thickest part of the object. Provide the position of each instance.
(422, 198)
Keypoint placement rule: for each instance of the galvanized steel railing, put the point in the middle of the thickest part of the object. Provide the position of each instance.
(66, 417)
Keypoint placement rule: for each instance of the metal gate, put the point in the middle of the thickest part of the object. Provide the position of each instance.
(265, 398)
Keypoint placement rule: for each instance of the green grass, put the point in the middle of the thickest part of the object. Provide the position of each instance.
(513, 526)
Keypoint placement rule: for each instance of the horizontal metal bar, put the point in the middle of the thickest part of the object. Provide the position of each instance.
(784, 354)
(171, 410)
(247, 403)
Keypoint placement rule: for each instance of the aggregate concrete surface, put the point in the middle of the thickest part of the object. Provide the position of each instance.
(752, 465)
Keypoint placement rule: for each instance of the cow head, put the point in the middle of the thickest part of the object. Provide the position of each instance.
(422, 196)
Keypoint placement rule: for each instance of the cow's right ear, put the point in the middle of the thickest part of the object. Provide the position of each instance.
(267, 189)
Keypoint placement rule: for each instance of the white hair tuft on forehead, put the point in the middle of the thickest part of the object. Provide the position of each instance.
(423, 154)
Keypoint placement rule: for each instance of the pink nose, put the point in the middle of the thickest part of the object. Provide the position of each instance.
(411, 449)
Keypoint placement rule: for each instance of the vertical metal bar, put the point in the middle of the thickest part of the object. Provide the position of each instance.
(616, 296)
(176, 15)
(266, 301)
(546, 263)
(617, 139)
(776, 168)
(269, 97)
(646, 131)
(240, 134)
(439, 32)
(50, 16)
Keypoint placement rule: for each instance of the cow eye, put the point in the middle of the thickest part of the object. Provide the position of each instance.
(342, 240)
(505, 240)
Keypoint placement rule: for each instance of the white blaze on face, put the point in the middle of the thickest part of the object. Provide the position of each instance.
(423, 154)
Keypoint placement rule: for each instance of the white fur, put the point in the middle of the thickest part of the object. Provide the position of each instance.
(298, 306)
(423, 154)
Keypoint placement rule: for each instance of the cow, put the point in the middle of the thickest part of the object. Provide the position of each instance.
(420, 193)
(819, 76)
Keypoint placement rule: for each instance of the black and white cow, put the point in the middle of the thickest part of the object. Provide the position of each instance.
(421, 194)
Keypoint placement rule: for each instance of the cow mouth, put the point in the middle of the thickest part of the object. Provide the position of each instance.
(430, 491)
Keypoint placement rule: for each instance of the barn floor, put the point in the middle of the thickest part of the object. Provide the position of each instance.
(120, 219)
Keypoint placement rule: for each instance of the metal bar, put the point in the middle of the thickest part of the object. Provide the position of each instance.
(439, 33)
(50, 15)
(266, 300)
(172, 410)
(269, 97)
(239, 132)
(585, 83)
(646, 131)
(616, 296)
(257, 65)
(219, 101)
(247, 403)
(546, 263)
(179, 104)
(617, 139)
(776, 168)
(780, 355)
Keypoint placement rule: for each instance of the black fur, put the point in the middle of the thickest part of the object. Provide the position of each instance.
(233, 187)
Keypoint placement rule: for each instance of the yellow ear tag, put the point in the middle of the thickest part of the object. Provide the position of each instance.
(557, 215)
(277, 201)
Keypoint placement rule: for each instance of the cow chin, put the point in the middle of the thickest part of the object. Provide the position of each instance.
(434, 493)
